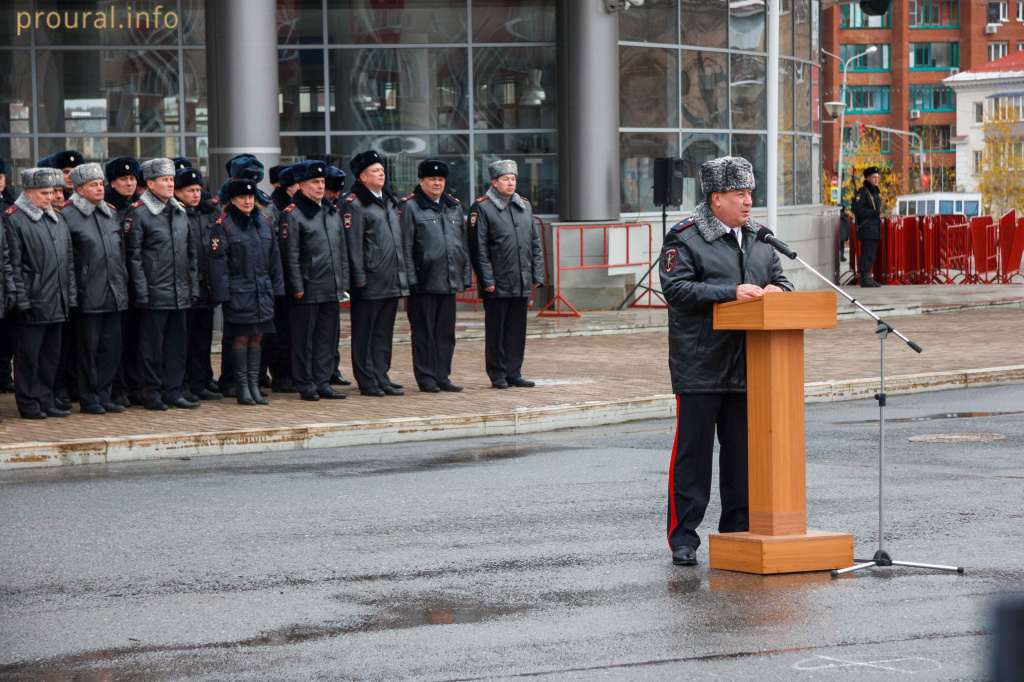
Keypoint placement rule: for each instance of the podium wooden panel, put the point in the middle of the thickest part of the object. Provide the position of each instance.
(778, 541)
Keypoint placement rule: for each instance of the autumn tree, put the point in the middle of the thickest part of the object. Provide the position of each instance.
(1001, 180)
(868, 152)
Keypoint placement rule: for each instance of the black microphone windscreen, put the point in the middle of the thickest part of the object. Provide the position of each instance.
(763, 233)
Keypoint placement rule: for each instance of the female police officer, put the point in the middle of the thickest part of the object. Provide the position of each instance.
(245, 275)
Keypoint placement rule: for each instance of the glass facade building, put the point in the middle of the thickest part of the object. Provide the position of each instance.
(470, 81)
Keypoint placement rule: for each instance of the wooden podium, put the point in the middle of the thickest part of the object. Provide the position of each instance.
(778, 541)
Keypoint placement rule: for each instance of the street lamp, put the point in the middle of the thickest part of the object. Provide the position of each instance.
(840, 107)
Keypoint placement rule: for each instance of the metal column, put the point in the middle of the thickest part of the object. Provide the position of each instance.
(241, 72)
(588, 111)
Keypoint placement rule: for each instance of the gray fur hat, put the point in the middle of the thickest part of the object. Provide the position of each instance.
(503, 167)
(157, 168)
(726, 173)
(28, 176)
(41, 178)
(87, 171)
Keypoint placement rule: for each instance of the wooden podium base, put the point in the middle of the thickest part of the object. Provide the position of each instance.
(816, 550)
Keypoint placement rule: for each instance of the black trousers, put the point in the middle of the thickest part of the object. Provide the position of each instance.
(67, 369)
(226, 380)
(98, 354)
(699, 416)
(432, 321)
(373, 329)
(198, 368)
(281, 366)
(8, 332)
(505, 336)
(129, 376)
(314, 331)
(35, 365)
(868, 252)
(163, 345)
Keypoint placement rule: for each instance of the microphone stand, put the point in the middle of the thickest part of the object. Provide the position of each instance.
(882, 558)
(655, 261)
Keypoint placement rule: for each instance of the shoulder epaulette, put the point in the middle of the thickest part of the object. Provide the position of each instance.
(11, 211)
(409, 197)
(683, 224)
(482, 198)
(454, 199)
(66, 203)
(136, 204)
(219, 220)
(58, 208)
(289, 208)
(215, 200)
(351, 197)
(112, 207)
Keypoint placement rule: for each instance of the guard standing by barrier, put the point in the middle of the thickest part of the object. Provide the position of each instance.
(867, 209)
(316, 269)
(122, 181)
(245, 275)
(188, 190)
(280, 358)
(437, 259)
(102, 288)
(42, 268)
(162, 271)
(379, 272)
(506, 253)
(7, 329)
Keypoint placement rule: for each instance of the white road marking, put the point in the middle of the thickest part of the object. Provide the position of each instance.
(910, 665)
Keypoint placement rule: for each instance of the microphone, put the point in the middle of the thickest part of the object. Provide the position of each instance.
(768, 237)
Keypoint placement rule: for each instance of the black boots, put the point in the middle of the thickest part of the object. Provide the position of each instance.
(240, 363)
(254, 377)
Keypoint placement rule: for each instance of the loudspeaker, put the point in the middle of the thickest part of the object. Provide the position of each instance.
(668, 182)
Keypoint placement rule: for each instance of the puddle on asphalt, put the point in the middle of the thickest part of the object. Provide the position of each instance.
(934, 417)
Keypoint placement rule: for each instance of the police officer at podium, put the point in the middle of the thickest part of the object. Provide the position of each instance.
(712, 257)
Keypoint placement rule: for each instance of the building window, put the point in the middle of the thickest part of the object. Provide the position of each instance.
(876, 61)
(1020, 46)
(936, 138)
(979, 112)
(997, 12)
(977, 162)
(1000, 106)
(1020, 12)
(872, 99)
(934, 13)
(932, 97)
(997, 50)
(934, 56)
(885, 141)
(850, 16)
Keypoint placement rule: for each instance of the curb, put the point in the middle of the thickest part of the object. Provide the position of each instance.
(522, 421)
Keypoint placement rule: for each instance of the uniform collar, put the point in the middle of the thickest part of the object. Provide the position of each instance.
(426, 202)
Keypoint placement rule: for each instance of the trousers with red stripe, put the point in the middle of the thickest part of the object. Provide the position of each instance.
(698, 417)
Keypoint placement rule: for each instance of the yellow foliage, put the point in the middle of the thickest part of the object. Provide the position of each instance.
(1001, 180)
(869, 153)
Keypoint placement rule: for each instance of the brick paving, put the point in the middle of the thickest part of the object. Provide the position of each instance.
(570, 370)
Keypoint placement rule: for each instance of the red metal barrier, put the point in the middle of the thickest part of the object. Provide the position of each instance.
(559, 306)
(984, 237)
(1016, 253)
(1007, 230)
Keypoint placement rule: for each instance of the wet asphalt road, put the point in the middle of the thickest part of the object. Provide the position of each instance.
(500, 557)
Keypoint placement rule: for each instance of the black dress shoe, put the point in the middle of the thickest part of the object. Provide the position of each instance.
(190, 396)
(33, 414)
(500, 383)
(114, 408)
(212, 386)
(394, 385)
(372, 392)
(429, 388)
(330, 394)
(283, 386)
(92, 408)
(183, 404)
(206, 394)
(391, 390)
(684, 555)
(521, 382)
(447, 385)
(62, 405)
(265, 381)
(312, 396)
(121, 399)
(157, 405)
(56, 412)
(7, 385)
(338, 380)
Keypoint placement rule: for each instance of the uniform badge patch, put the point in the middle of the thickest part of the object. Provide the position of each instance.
(284, 232)
(346, 220)
(670, 259)
(127, 224)
(215, 244)
(472, 219)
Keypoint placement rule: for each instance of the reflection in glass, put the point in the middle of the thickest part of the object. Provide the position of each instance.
(785, 170)
(537, 157)
(698, 148)
(704, 89)
(816, 196)
(300, 76)
(300, 22)
(802, 28)
(108, 23)
(514, 87)
(196, 107)
(16, 96)
(785, 94)
(647, 88)
(193, 22)
(703, 23)
(197, 150)
(652, 22)
(749, 99)
(747, 25)
(786, 28)
(100, 149)
(295, 148)
(18, 153)
(117, 90)
(754, 148)
(402, 155)
(816, 100)
(513, 21)
(399, 89)
(637, 152)
(802, 92)
(10, 34)
(815, 23)
(361, 22)
(803, 171)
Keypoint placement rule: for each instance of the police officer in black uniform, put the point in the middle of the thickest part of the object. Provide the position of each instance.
(164, 280)
(102, 287)
(867, 210)
(245, 276)
(188, 190)
(6, 323)
(713, 257)
(334, 185)
(316, 270)
(506, 252)
(280, 357)
(437, 259)
(121, 192)
(42, 269)
(379, 272)
(8, 299)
